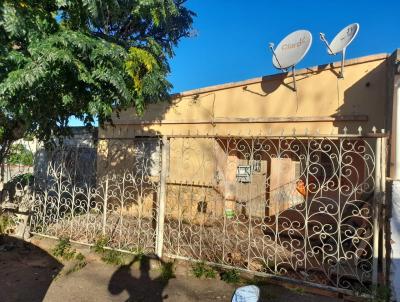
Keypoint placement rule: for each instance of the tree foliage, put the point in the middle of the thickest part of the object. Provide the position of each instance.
(82, 58)
(20, 155)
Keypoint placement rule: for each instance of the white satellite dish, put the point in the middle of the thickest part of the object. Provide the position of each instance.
(341, 41)
(291, 50)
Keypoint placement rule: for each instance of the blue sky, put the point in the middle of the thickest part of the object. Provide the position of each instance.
(233, 35)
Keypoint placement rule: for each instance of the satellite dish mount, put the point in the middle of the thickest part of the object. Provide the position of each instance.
(271, 46)
(340, 42)
(290, 51)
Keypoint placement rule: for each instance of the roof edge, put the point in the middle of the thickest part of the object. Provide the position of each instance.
(271, 77)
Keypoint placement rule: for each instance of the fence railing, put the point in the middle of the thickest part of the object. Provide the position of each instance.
(301, 208)
(305, 208)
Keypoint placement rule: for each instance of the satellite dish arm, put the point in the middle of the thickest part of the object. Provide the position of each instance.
(323, 39)
(294, 78)
(271, 46)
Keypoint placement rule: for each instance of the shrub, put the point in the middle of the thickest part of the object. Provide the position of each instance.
(20, 155)
(230, 276)
(6, 223)
(99, 245)
(112, 257)
(108, 256)
(200, 269)
(167, 271)
(63, 250)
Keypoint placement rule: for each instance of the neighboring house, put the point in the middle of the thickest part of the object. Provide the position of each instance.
(10, 170)
(82, 139)
(77, 154)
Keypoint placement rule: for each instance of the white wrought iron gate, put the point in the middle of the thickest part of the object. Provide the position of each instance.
(305, 208)
(114, 198)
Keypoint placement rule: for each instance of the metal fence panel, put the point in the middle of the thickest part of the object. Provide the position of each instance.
(120, 206)
(305, 208)
(294, 207)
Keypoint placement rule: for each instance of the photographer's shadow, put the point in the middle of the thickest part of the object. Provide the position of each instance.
(142, 288)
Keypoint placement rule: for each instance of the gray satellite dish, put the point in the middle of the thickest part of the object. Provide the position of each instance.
(291, 50)
(341, 41)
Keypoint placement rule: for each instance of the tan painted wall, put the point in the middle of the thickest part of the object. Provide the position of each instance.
(321, 95)
(322, 102)
(394, 83)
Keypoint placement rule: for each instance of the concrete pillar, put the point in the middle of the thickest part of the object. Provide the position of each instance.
(162, 196)
(395, 186)
(396, 133)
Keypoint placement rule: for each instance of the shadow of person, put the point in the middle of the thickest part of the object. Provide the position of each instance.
(142, 288)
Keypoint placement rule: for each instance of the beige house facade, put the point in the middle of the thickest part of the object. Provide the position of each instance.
(271, 159)
(323, 101)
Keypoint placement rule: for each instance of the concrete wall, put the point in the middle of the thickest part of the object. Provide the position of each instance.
(322, 101)
(394, 168)
(365, 97)
(395, 240)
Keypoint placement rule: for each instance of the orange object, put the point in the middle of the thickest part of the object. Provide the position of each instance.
(301, 188)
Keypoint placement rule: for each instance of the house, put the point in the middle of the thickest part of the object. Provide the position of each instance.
(77, 153)
(323, 103)
(257, 175)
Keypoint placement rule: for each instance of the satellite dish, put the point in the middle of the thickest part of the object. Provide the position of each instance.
(291, 50)
(341, 41)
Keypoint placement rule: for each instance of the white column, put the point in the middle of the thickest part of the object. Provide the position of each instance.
(162, 196)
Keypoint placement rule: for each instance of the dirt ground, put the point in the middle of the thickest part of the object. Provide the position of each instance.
(29, 273)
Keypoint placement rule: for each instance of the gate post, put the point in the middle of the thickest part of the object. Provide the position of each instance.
(376, 209)
(105, 206)
(162, 196)
(384, 212)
